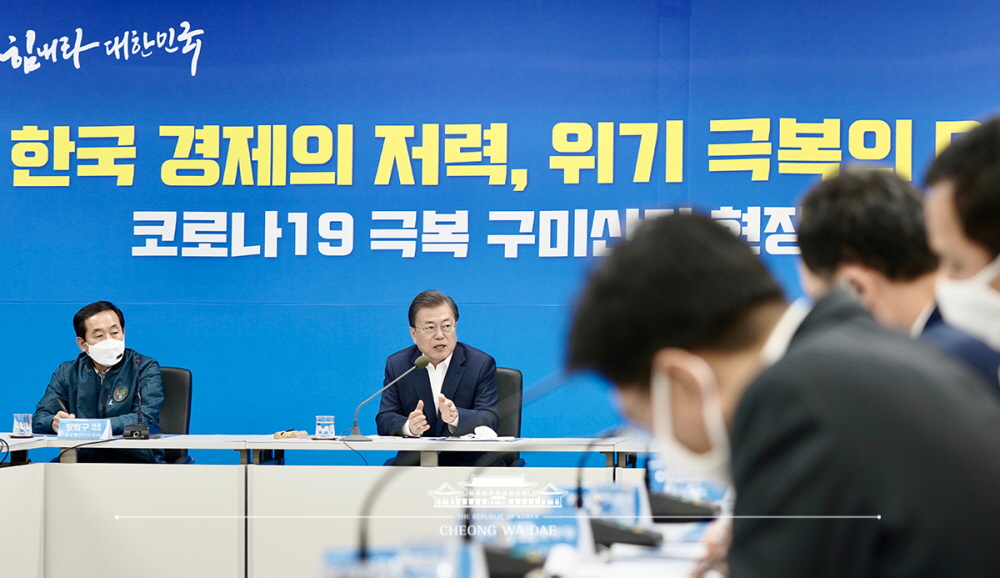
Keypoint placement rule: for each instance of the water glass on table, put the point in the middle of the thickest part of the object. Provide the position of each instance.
(22, 425)
(324, 427)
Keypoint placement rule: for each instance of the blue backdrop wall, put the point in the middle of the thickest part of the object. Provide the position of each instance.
(263, 187)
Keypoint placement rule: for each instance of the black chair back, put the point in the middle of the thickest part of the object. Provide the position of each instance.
(509, 385)
(175, 414)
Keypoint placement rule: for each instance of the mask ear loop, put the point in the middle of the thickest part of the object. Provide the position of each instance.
(663, 417)
(713, 463)
(714, 424)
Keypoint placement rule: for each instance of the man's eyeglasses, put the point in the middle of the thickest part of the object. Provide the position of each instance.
(432, 329)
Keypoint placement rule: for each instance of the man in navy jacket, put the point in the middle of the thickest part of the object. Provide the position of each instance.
(454, 395)
(102, 383)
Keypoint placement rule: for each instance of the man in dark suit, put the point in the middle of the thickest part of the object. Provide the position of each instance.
(455, 394)
(963, 228)
(853, 450)
(863, 230)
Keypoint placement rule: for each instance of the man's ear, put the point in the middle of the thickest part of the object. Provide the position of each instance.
(81, 344)
(677, 364)
(413, 335)
(862, 282)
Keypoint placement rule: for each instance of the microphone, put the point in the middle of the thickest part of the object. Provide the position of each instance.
(608, 532)
(379, 486)
(420, 363)
(667, 509)
(138, 431)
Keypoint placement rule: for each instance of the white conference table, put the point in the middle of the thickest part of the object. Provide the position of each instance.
(242, 520)
(429, 448)
(257, 448)
(19, 447)
(628, 451)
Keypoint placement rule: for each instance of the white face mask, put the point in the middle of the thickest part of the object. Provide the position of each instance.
(713, 464)
(972, 305)
(107, 352)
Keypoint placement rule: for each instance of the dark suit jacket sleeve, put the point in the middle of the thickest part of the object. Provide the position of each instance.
(485, 400)
(390, 418)
(786, 463)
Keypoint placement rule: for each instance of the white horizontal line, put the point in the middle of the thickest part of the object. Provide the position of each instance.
(876, 517)
(515, 516)
(119, 517)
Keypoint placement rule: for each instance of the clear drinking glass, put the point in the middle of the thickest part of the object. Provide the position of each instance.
(22, 425)
(324, 427)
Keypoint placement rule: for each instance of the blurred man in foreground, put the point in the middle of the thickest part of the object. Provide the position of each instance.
(853, 450)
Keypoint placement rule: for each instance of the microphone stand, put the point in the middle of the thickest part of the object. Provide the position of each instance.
(420, 363)
(138, 431)
(376, 490)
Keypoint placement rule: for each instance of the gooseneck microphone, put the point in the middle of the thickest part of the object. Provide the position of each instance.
(668, 509)
(420, 363)
(608, 532)
(138, 431)
(376, 490)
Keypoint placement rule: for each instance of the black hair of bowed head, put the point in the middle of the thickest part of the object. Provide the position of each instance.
(866, 217)
(682, 281)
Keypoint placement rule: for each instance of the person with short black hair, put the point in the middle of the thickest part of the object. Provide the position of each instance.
(853, 450)
(963, 228)
(454, 395)
(863, 231)
(102, 383)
